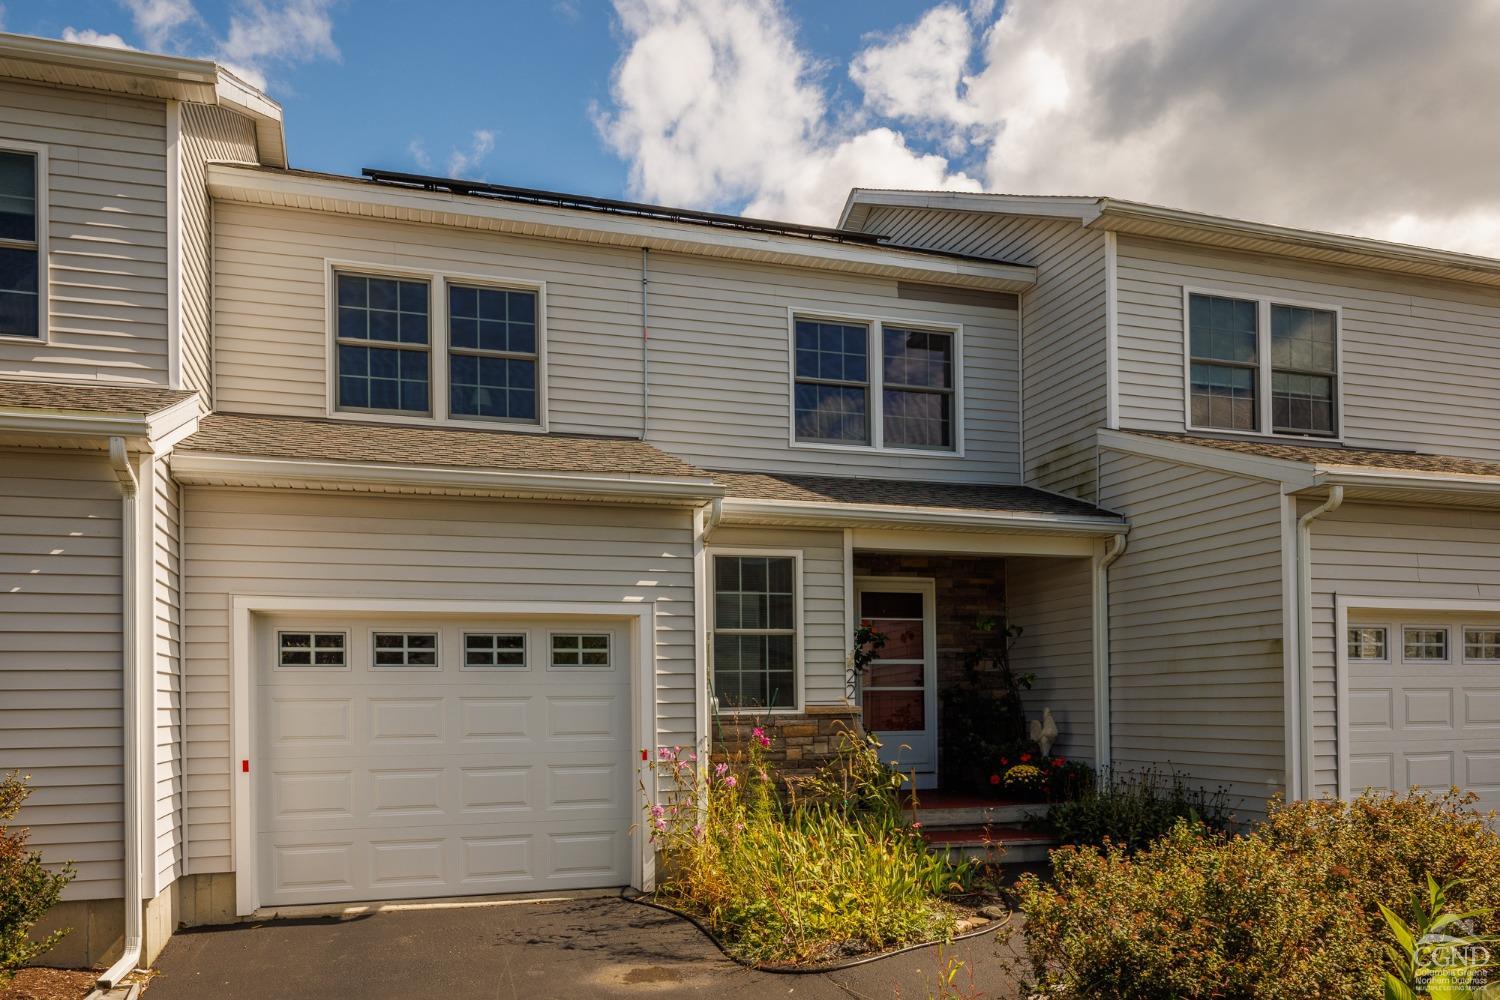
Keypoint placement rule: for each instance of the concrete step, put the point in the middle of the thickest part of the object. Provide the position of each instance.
(1011, 845)
(944, 809)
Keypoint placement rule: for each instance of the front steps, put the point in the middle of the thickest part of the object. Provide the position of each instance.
(987, 829)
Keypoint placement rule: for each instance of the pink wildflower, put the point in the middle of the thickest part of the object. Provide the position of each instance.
(693, 757)
(663, 753)
(721, 769)
(729, 782)
(759, 735)
(657, 812)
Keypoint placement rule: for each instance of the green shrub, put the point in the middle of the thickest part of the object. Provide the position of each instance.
(1290, 910)
(1130, 809)
(27, 888)
(802, 879)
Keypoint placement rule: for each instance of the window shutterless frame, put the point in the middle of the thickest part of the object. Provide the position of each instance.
(438, 367)
(1264, 364)
(1464, 644)
(328, 641)
(875, 359)
(1387, 639)
(1446, 630)
(799, 626)
(38, 245)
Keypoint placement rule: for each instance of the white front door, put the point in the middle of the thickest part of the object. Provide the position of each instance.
(401, 757)
(899, 689)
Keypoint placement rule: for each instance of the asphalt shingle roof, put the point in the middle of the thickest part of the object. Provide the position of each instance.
(997, 498)
(1330, 454)
(100, 398)
(348, 441)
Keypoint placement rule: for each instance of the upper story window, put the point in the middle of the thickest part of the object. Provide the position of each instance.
(20, 245)
(1258, 366)
(833, 382)
(492, 354)
(907, 397)
(383, 344)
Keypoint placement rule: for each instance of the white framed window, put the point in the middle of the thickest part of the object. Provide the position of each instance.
(863, 382)
(404, 650)
(1261, 365)
(445, 347)
(308, 649)
(1369, 643)
(580, 650)
(1424, 643)
(23, 241)
(1481, 644)
(490, 650)
(757, 630)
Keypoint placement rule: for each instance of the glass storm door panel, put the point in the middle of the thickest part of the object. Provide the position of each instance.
(898, 692)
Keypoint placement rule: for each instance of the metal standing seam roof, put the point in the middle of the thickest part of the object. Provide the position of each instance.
(1314, 453)
(97, 398)
(994, 498)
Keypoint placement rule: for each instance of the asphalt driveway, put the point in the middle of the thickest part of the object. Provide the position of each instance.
(586, 947)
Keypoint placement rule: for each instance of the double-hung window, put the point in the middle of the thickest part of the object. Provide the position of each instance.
(20, 245)
(833, 382)
(1258, 366)
(917, 388)
(755, 632)
(384, 344)
(492, 353)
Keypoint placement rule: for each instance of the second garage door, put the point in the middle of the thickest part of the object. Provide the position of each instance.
(401, 758)
(1424, 703)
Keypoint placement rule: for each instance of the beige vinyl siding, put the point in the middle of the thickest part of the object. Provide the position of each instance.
(1197, 672)
(1420, 358)
(1063, 341)
(264, 542)
(167, 673)
(1052, 601)
(60, 696)
(720, 344)
(209, 135)
(1422, 553)
(107, 211)
(825, 634)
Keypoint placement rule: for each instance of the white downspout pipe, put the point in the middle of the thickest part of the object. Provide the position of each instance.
(645, 340)
(1103, 744)
(1303, 771)
(119, 460)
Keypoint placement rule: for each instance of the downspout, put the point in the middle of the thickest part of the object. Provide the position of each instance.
(119, 460)
(645, 340)
(1304, 637)
(1103, 743)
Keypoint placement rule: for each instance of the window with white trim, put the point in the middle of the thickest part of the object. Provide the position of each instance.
(917, 388)
(383, 340)
(832, 362)
(755, 632)
(580, 649)
(1369, 642)
(492, 353)
(1482, 645)
(1424, 644)
(20, 245)
(405, 649)
(1259, 365)
(312, 649)
(495, 649)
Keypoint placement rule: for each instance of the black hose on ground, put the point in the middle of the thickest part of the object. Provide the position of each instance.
(806, 970)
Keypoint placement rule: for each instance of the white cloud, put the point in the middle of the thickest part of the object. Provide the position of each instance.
(462, 162)
(417, 150)
(1352, 115)
(715, 104)
(88, 36)
(160, 23)
(264, 34)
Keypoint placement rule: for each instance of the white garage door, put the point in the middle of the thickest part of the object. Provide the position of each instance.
(410, 758)
(1424, 704)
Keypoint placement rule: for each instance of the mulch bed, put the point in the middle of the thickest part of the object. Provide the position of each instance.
(49, 984)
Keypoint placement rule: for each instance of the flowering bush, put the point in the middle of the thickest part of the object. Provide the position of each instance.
(1291, 910)
(1039, 778)
(1130, 809)
(803, 879)
(27, 889)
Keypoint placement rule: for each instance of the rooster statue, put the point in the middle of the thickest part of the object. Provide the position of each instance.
(1044, 732)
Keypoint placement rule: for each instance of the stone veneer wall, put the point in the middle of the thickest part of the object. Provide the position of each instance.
(799, 742)
(967, 588)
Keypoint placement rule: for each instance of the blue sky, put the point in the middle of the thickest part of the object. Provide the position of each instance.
(1359, 116)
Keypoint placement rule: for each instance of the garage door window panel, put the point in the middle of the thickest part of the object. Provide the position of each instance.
(1424, 644)
(580, 651)
(1369, 643)
(312, 650)
(405, 650)
(1482, 644)
(494, 650)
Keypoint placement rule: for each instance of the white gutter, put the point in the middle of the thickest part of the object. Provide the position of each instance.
(1103, 741)
(119, 460)
(744, 510)
(1303, 772)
